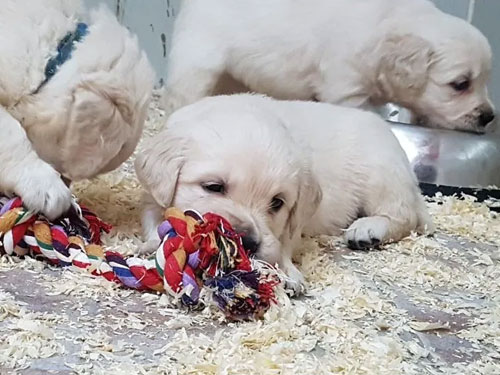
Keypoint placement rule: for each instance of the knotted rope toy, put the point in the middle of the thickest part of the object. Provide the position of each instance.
(196, 252)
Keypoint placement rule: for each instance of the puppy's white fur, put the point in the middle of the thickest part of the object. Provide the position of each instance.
(351, 52)
(334, 167)
(86, 120)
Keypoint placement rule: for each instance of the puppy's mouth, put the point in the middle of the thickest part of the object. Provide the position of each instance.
(478, 131)
(425, 122)
(422, 121)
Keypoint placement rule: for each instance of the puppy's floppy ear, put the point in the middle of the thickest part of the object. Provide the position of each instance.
(401, 64)
(158, 166)
(105, 124)
(308, 199)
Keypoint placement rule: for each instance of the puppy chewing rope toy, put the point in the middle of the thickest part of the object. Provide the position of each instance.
(196, 251)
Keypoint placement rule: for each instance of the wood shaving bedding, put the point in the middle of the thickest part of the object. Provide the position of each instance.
(25, 335)
(421, 306)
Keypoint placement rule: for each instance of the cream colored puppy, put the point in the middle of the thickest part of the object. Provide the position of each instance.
(280, 169)
(356, 53)
(73, 115)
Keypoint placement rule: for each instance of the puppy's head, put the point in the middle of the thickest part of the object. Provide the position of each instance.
(440, 71)
(237, 163)
(88, 118)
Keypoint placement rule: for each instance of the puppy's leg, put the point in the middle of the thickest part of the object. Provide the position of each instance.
(295, 281)
(152, 216)
(24, 173)
(280, 253)
(191, 86)
(194, 71)
(392, 213)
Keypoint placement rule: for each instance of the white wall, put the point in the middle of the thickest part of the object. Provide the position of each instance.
(152, 21)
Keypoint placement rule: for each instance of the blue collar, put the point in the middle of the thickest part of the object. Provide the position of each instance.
(64, 50)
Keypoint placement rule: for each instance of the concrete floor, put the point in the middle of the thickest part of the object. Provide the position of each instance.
(105, 313)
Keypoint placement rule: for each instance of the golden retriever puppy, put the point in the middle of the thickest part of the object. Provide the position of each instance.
(280, 169)
(73, 98)
(359, 53)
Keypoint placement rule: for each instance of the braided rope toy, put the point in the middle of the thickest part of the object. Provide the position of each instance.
(196, 251)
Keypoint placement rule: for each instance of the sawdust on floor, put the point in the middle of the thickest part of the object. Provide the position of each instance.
(421, 306)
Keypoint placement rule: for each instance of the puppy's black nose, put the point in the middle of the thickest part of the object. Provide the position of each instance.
(485, 118)
(250, 243)
(66, 181)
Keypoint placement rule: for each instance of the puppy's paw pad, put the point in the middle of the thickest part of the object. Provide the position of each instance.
(366, 233)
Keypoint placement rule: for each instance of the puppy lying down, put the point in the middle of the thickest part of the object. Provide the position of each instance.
(280, 169)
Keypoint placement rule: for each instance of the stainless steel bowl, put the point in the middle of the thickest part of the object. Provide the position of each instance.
(394, 113)
(446, 157)
(452, 158)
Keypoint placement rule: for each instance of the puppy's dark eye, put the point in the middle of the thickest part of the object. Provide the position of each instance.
(276, 204)
(462, 85)
(214, 187)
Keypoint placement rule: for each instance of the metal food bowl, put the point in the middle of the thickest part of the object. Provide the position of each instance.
(447, 157)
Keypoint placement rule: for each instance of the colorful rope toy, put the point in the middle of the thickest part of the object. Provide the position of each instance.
(196, 252)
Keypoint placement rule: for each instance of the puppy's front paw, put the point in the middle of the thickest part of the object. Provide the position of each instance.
(367, 232)
(42, 190)
(295, 280)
